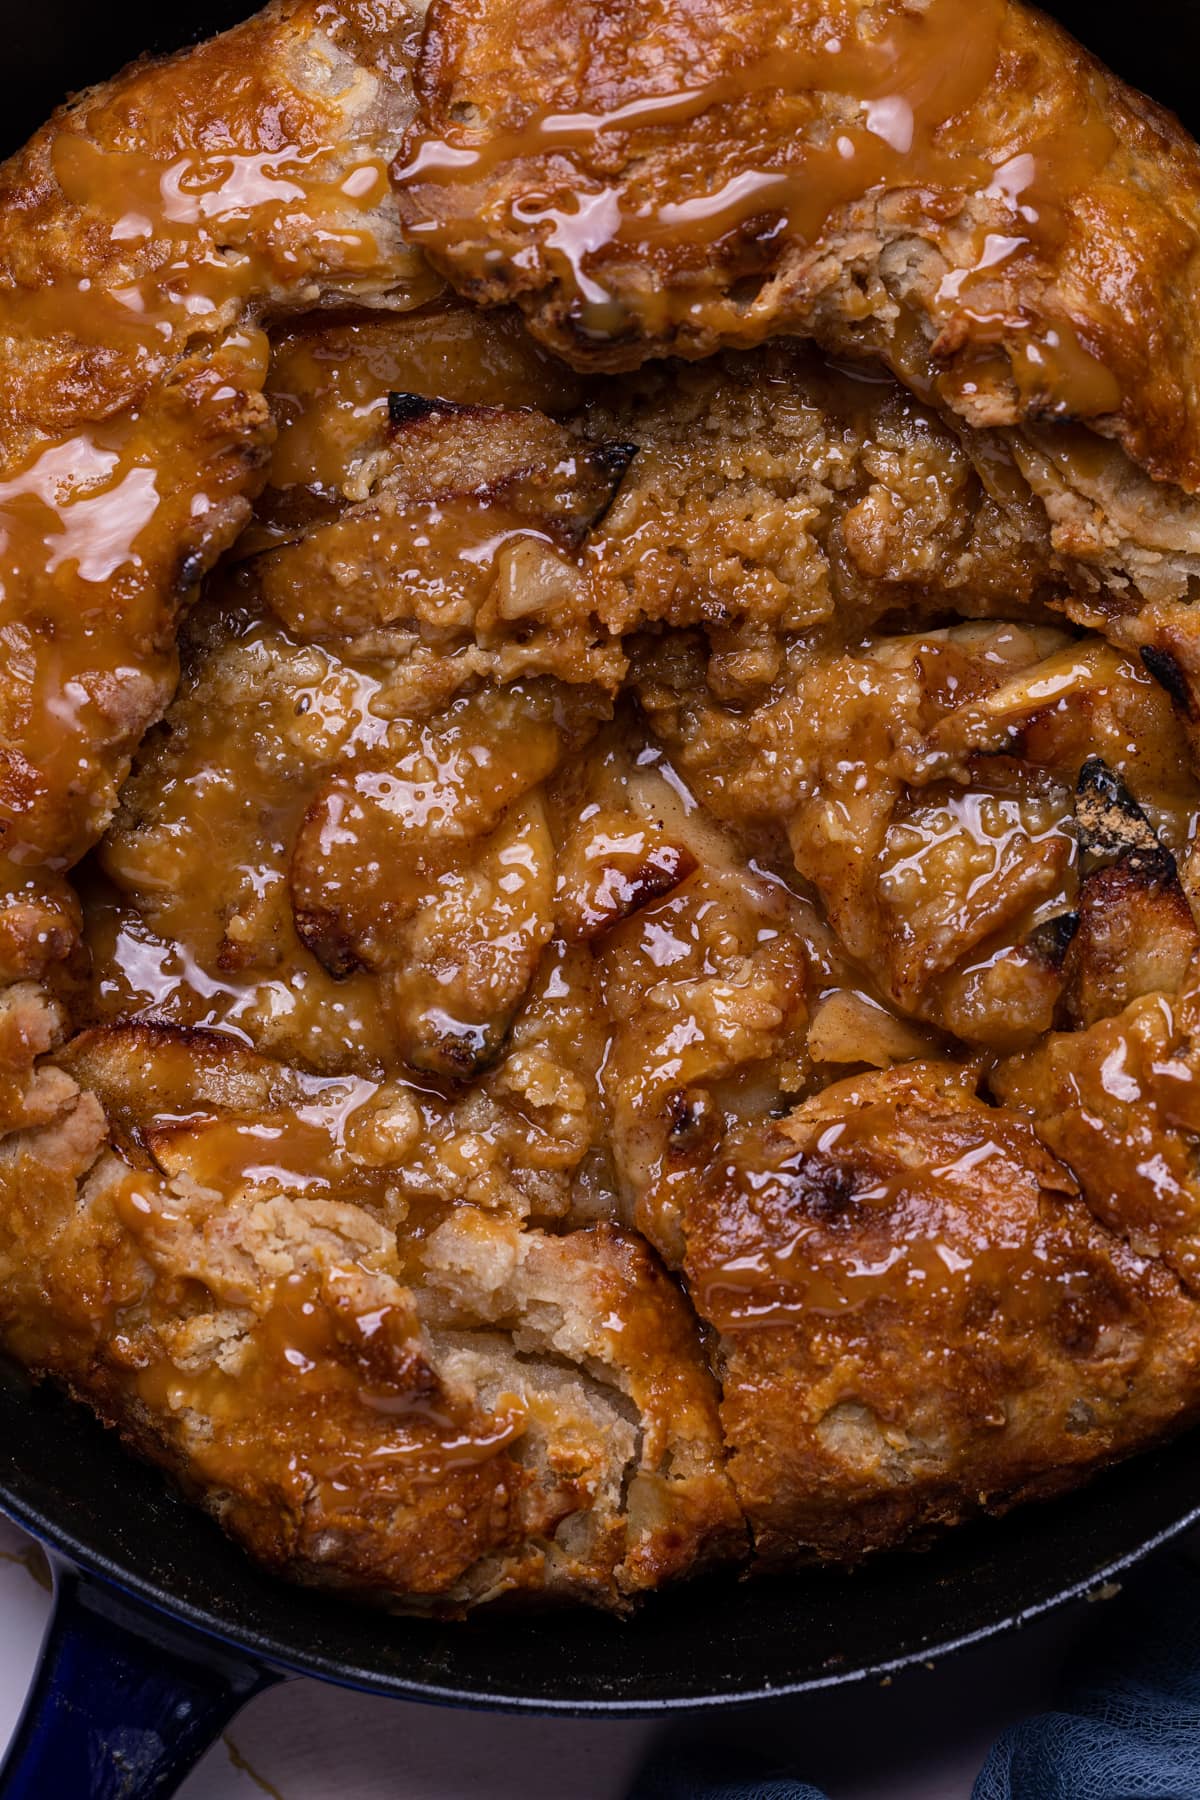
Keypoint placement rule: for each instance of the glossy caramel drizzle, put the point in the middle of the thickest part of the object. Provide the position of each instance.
(299, 1357)
(930, 1246)
(192, 234)
(95, 524)
(90, 532)
(909, 86)
(315, 1346)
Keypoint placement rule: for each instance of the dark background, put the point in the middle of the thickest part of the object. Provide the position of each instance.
(50, 47)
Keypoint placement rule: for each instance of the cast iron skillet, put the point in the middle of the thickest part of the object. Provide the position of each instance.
(162, 1629)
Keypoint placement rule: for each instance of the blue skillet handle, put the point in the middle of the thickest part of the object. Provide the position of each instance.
(124, 1702)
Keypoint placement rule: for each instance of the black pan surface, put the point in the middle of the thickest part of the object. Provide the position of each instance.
(718, 1641)
(715, 1641)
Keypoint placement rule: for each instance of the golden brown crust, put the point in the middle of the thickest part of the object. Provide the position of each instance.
(144, 233)
(497, 1410)
(849, 168)
(918, 1317)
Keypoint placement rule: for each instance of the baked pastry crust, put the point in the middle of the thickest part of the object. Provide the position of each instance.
(144, 233)
(553, 147)
(638, 1009)
(965, 194)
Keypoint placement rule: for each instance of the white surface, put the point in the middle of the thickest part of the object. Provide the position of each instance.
(921, 1738)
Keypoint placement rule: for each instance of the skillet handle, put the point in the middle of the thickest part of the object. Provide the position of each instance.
(123, 1703)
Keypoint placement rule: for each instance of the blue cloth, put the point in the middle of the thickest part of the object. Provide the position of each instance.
(716, 1775)
(1128, 1723)
(1126, 1727)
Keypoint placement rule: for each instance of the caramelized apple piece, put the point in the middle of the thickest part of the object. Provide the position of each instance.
(1120, 1102)
(612, 866)
(848, 1027)
(926, 785)
(435, 872)
(465, 545)
(329, 382)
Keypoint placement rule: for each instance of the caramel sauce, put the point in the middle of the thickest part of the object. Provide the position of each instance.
(213, 943)
(1053, 369)
(91, 530)
(198, 233)
(446, 564)
(907, 82)
(70, 527)
(298, 1359)
(301, 1151)
(1120, 1103)
(95, 523)
(329, 383)
(316, 1346)
(958, 865)
(873, 1212)
(848, 115)
(175, 977)
(194, 240)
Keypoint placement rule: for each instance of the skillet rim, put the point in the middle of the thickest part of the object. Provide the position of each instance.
(1024, 1548)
